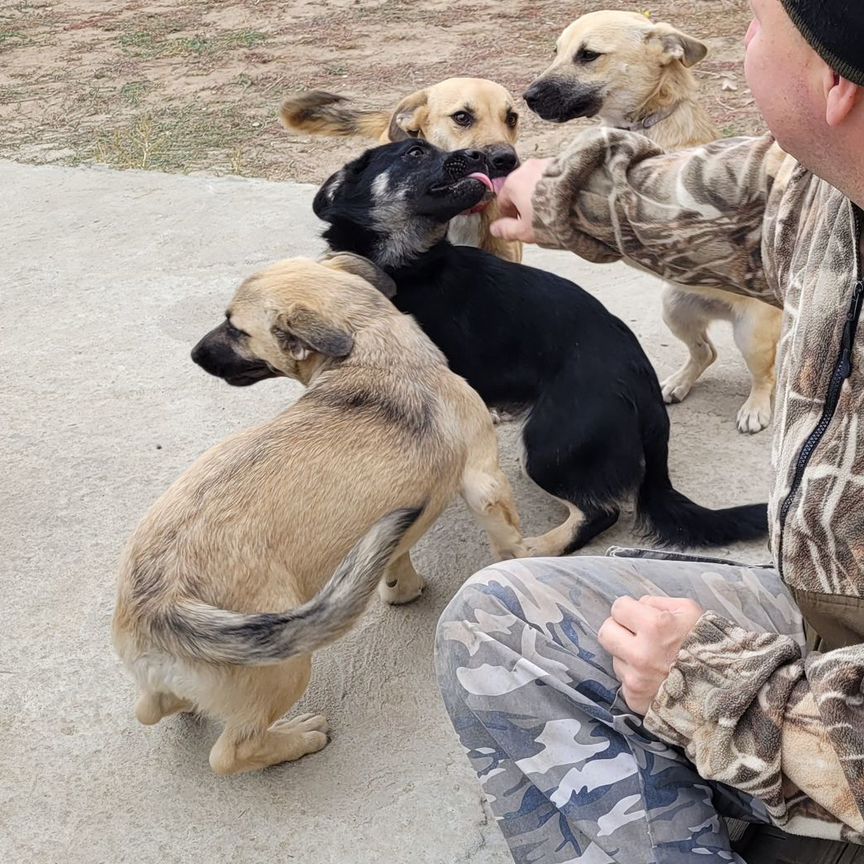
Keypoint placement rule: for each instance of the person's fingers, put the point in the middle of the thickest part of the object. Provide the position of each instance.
(518, 189)
(633, 615)
(504, 199)
(516, 182)
(658, 602)
(620, 669)
(634, 691)
(617, 640)
(683, 607)
(667, 604)
(509, 229)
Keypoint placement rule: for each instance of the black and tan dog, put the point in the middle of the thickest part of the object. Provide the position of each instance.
(452, 114)
(271, 544)
(636, 74)
(596, 429)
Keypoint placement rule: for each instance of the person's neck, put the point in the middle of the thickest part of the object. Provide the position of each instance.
(849, 182)
(854, 179)
(851, 187)
(837, 161)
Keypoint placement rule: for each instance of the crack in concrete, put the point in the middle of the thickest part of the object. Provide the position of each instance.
(482, 827)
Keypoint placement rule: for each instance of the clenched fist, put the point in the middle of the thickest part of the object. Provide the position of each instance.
(644, 637)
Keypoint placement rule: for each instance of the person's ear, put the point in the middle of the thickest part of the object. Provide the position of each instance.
(841, 99)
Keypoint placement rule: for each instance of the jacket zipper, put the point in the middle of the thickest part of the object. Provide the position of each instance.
(842, 370)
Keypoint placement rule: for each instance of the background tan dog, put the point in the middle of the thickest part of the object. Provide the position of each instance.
(454, 114)
(635, 74)
(260, 522)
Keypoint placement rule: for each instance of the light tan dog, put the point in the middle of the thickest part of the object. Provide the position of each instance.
(454, 114)
(635, 74)
(271, 544)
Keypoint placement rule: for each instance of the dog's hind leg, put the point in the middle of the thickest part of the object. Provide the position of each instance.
(488, 494)
(757, 331)
(688, 320)
(401, 583)
(573, 533)
(253, 702)
(152, 707)
(242, 749)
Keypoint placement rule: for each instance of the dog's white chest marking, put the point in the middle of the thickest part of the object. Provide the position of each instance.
(466, 230)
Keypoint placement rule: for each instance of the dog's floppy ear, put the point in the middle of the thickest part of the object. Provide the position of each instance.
(302, 331)
(357, 265)
(323, 200)
(409, 116)
(677, 45)
(326, 195)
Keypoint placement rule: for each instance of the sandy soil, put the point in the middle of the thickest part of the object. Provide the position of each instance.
(195, 85)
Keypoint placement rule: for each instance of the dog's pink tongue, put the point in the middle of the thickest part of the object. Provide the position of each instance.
(497, 183)
(489, 184)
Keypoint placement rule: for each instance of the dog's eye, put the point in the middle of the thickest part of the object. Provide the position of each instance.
(462, 118)
(512, 119)
(583, 55)
(417, 152)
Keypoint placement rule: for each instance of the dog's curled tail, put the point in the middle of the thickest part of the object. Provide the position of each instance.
(674, 520)
(202, 632)
(320, 113)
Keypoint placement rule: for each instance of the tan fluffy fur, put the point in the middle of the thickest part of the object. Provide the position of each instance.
(428, 114)
(644, 72)
(261, 521)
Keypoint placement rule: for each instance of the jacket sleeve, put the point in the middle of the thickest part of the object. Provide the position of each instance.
(694, 217)
(750, 712)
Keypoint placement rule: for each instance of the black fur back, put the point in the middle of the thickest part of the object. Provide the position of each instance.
(596, 430)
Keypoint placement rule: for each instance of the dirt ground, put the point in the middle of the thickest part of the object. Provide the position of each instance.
(195, 85)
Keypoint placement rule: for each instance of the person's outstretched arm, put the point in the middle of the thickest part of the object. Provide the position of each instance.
(694, 216)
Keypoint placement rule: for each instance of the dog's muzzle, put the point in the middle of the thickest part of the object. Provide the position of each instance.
(464, 162)
(214, 355)
(501, 159)
(560, 100)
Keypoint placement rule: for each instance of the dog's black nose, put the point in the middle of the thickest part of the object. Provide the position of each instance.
(532, 94)
(474, 156)
(503, 160)
(201, 354)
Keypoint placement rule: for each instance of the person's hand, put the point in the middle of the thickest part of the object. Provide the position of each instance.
(644, 638)
(514, 201)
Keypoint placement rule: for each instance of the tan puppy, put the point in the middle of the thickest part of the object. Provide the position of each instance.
(454, 114)
(270, 545)
(635, 74)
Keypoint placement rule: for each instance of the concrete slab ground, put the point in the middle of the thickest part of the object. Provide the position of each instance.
(107, 281)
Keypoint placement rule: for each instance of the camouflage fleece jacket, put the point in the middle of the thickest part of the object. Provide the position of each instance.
(741, 215)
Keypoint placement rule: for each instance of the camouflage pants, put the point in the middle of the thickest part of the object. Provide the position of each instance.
(569, 771)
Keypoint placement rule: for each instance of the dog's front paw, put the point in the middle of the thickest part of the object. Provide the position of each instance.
(308, 733)
(755, 414)
(401, 591)
(302, 723)
(536, 547)
(675, 388)
(517, 550)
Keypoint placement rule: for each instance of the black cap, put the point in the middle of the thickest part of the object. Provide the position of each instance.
(835, 30)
